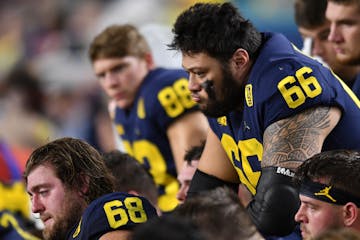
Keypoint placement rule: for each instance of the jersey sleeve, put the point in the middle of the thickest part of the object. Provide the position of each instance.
(116, 211)
(289, 87)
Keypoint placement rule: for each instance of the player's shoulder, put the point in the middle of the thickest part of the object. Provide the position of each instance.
(113, 211)
(356, 85)
(163, 77)
(279, 58)
(165, 91)
(109, 197)
(122, 198)
(268, 74)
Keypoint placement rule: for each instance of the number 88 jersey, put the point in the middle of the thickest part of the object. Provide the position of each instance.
(162, 99)
(114, 211)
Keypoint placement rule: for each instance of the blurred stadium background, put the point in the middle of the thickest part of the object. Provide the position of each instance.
(47, 88)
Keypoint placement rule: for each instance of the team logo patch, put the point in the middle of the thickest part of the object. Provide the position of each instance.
(222, 121)
(248, 95)
(325, 192)
(141, 109)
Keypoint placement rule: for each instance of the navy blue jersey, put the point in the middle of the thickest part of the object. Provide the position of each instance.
(13, 227)
(162, 98)
(356, 85)
(114, 211)
(282, 83)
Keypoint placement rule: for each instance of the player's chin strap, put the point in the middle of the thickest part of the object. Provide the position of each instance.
(275, 203)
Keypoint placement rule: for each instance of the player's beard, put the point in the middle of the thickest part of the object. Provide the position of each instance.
(71, 212)
(229, 97)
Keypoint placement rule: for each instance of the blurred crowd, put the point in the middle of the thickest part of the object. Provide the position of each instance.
(47, 88)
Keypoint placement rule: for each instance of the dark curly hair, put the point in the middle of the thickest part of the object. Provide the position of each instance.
(216, 29)
(339, 168)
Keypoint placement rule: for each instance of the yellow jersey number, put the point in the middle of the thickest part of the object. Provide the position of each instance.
(239, 155)
(295, 89)
(176, 99)
(143, 149)
(117, 216)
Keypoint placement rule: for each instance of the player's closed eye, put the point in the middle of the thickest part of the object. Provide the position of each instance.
(43, 193)
(200, 74)
(118, 68)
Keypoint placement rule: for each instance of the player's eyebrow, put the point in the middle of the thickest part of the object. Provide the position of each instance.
(36, 188)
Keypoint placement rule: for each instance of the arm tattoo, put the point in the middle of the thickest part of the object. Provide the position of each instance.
(288, 142)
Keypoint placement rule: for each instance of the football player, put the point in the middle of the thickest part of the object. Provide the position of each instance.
(130, 176)
(152, 108)
(114, 214)
(329, 192)
(67, 179)
(270, 107)
(344, 17)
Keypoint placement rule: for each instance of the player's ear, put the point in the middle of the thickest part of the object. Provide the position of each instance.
(240, 63)
(84, 184)
(240, 57)
(149, 60)
(133, 192)
(350, 213)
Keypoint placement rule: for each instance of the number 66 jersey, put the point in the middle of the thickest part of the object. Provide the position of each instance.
(282, 83)
(111, 212)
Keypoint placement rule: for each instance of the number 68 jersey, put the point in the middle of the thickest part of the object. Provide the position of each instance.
(114, 211)
(162, 99)
(282, 83)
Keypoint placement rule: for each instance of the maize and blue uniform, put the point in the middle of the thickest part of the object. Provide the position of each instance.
(355, 87)
(162, 98)
(111, 212)
(14, 200)
(283, 82)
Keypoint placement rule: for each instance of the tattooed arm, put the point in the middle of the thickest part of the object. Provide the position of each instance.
(288, 142)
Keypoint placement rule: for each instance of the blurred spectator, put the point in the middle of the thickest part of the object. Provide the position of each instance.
(22, 110)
